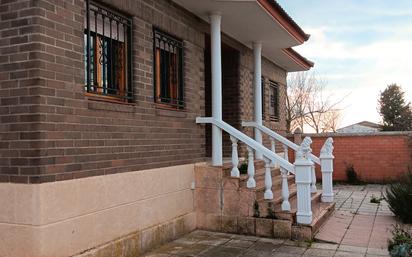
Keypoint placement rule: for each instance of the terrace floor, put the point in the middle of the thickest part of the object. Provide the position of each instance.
(358, 228)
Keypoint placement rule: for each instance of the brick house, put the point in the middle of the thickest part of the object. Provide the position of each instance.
(98, 106)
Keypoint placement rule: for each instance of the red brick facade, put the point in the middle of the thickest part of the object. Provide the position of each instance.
(51, 131)
(378, 157)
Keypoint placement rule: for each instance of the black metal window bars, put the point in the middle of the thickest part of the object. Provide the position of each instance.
(107, 50)
(274, 101)
(168, 69)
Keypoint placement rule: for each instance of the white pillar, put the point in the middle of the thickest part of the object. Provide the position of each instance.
(257, 81)
(303, 178)
(326, 164)
(215, 44)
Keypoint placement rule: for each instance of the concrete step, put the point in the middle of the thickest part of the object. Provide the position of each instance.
(227, 166)
(260, 178)
(276, 188)
(320, 213)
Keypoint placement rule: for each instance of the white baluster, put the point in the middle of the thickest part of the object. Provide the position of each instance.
(313, 188)
(251, 183)
(326, 164)
(285, 152)
(268, 180)
(303, 166)
(235, 158)
(285, 190)
(273, 148)
(272, 145)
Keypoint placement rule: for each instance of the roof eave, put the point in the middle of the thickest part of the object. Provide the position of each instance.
(280, 15)
(298, 59)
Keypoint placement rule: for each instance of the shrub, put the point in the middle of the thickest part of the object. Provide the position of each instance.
(401, 243)
(271, 212)
(399, 198)
(351, 175)
(256, 211)
(375, 199)
(243, 168)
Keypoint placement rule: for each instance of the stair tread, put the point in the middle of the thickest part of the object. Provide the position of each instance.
(278, 195)
(315, 197)
(275, 181)
(261, 172)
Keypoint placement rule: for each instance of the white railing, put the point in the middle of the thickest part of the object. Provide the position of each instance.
(325, 161)
(252, 145)
(284, 141)
(250, 142)
(301, 168)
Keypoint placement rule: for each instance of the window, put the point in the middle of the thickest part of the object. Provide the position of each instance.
(274, 100)
(168, 69)
(107, 50)
(263, 97)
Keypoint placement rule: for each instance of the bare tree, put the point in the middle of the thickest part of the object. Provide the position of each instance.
(307, 105)
(300, 87)
(331, 121)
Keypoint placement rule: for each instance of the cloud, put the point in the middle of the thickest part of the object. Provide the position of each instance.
(361, 71)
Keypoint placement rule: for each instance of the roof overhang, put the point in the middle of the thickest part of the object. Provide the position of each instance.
(250, 21)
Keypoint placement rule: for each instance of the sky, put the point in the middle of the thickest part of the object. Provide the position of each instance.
(359, 47)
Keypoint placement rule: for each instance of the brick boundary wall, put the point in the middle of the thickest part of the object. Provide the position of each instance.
(377, 158)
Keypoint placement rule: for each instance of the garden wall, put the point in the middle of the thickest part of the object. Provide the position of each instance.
(376, 157)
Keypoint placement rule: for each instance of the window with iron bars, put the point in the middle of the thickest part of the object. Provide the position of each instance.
(263, 97)
(107, 52)
(274, 100)
(168, 69)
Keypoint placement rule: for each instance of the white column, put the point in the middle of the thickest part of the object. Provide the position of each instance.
(257, 54)
(326, 164)
(215, 44)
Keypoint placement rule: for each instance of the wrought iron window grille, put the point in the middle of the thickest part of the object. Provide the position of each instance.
(168, 69)
(108, 53)
(274, 100)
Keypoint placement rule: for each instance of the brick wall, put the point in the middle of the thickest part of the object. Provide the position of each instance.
(238, 93)
(376, 157)
(51, 131)
(270, 72)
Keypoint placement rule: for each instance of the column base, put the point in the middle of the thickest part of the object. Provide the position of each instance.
(327, 198)
(304, 218)
(268, 195)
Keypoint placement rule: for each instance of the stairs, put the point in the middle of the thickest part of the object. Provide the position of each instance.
(237, 206)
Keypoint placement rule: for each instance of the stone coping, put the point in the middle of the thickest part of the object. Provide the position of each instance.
(370, 134)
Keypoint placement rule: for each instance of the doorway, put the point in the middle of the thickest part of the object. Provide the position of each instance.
(230, 93)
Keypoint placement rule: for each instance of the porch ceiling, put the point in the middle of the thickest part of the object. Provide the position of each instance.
(255, 20)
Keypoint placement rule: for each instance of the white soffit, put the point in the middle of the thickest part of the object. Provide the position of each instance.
(247, 21)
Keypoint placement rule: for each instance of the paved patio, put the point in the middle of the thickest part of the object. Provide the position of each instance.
(358, 228)
(357, 221)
